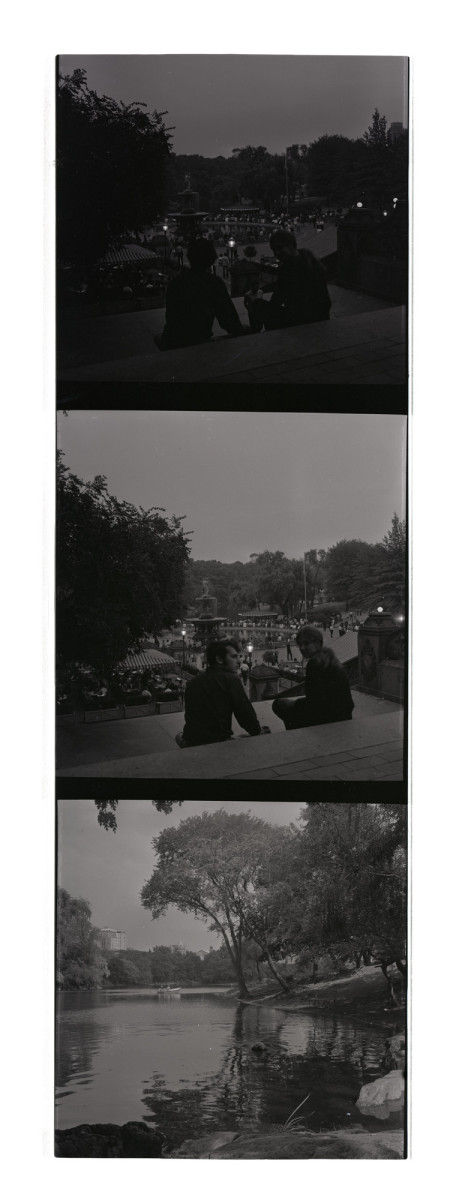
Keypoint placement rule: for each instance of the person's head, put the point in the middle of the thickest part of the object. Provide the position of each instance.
(223, 654)
(201, 254)
(309, 641)
(283, 244)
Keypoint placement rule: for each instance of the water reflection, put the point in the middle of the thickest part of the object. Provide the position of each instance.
(189, 1068)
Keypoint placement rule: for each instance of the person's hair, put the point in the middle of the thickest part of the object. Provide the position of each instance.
(309, 633)
(218, 650)
(280, 238)
(201, 253)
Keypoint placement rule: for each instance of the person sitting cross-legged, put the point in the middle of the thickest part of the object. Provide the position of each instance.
(300, 295)
(327, 696)
(213, 697)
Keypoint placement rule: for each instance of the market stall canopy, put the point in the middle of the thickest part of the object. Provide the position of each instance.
(146, 658)
(127, 254)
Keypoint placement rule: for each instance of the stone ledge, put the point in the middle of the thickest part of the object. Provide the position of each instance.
(373, 336)
(275, 753)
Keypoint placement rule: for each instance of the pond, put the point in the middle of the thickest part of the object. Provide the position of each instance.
(185, 1064)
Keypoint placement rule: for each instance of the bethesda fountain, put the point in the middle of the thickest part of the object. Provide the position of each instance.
(189, 218)
(207, 623)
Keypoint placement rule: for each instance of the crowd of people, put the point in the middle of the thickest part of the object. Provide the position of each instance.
(91, 691)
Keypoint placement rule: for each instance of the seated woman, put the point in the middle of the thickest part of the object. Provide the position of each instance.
(195, 299)
(300, 295)
(328, 697)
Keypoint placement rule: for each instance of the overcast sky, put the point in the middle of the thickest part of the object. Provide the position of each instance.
(218, 102)
(109, 869)
(248, 482)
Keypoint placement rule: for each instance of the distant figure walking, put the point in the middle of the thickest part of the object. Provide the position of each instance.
(288, 650)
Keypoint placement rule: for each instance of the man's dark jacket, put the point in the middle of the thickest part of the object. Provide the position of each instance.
(194, 300)
(211, 700)
(328, 695)
(300, 294)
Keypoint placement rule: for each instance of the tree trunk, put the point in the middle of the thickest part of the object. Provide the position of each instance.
(276, 973)
(243, 989)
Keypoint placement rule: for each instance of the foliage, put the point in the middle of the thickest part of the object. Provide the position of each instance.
(370, 574)
(347, 870)
(80, 962)
(120, 571)
(208, 866)
(110, 159)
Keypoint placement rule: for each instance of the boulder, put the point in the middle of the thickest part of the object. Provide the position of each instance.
(395, 1052)
(133, 1140)
(383, 1096)
(357, 1143)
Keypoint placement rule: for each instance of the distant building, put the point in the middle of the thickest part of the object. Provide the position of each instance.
(396, 129)
(113, 939)
(179, 947)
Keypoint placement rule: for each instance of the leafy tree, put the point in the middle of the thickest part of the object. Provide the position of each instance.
(80, 962)
(330, 163)
(120, 571)
(122, 971)
(347, 871)
(343, 562)
(377, 133)
(208, 866)
(110, 160)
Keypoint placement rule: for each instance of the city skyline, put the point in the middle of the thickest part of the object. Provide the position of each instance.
(218, 102)
(109, 869)
(246, 482)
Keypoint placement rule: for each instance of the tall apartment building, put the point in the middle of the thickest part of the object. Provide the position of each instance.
(396, 129)
(113, 939)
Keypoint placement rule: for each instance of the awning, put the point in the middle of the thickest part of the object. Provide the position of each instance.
(127, 254)
(144, 659)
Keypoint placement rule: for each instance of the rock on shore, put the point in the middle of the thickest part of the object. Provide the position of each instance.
(352, 1143)
(133, 1140)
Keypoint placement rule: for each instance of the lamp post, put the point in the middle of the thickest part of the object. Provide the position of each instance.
(165, 228)
(183, 634)
(231, 245)
(250, 652)
(304, 585)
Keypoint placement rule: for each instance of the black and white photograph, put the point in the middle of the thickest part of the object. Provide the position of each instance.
(231, 595)
(231, 605)
(232, 218)
(230, 980)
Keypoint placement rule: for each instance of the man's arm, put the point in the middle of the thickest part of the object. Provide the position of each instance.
(242, 708)
(225, 311)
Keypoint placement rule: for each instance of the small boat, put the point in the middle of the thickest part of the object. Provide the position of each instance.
(167, 990)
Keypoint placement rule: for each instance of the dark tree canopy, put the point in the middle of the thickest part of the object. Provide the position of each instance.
(79, 960)
(111, 159)
(120, 572)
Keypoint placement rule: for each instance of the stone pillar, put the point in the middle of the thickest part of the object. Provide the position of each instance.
(351, 234)
(264, 683)
(381, 656)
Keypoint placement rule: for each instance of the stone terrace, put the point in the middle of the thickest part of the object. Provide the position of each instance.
(366, 345)
(370, 747)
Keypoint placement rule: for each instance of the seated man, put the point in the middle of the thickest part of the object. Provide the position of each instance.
(328, 696)
(300, 295)
(195, 298)
(213, 697)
